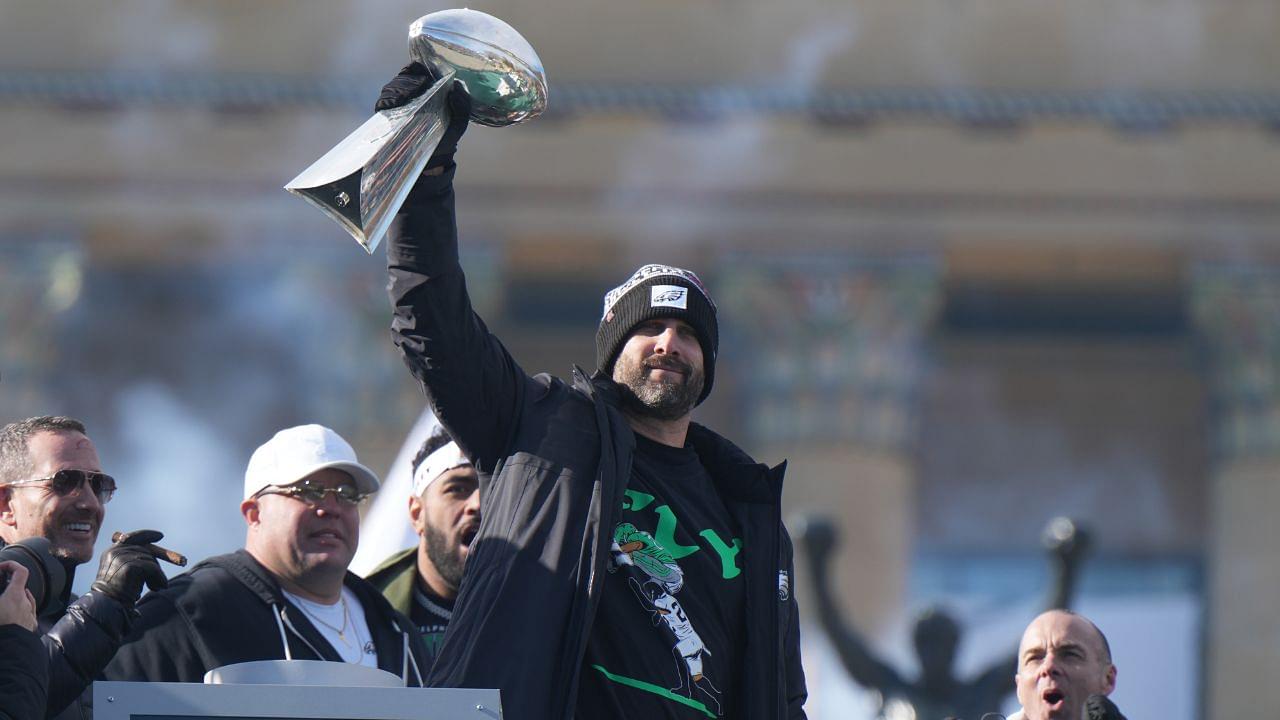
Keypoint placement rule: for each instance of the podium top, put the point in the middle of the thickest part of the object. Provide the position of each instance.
(195, 701)
(301, 672)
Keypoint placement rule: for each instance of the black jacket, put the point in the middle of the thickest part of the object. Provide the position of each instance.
(79, 645)
(79, 636)
(229, 609)
(555, 459)
(24, 674)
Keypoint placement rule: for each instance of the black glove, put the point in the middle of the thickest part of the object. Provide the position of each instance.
(413, 80)
(127, 565)
(1098, 707)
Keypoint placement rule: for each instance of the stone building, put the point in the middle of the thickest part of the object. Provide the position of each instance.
(980, 264)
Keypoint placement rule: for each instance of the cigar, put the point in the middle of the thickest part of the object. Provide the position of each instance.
(163, 553)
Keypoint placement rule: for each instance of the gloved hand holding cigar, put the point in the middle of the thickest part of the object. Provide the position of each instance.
(131, 563)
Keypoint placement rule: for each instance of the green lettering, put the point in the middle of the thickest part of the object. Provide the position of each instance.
(636, 500)
(728, 555)
(666, 534)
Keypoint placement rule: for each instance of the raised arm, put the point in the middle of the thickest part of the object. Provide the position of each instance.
(817, 537)
(88, 635)
(1067, 545)
(474, 385)
(80, 645)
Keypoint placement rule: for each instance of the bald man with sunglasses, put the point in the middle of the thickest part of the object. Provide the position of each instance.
(52, 486)
(287, 595)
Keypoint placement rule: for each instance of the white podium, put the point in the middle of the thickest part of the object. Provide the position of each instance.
(291, 690)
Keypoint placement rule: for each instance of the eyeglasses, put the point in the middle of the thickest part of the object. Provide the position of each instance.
(313, 492)
(65, 482)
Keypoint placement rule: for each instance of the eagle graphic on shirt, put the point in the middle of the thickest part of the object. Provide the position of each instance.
(655, 578)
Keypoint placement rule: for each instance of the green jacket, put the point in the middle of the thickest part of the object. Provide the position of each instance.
(395, 579)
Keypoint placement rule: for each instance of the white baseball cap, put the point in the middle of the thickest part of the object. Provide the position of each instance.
(296, 452)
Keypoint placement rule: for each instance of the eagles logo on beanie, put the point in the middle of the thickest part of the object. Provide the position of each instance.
(658, 291)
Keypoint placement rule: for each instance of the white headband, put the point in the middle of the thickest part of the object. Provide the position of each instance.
(444, 459)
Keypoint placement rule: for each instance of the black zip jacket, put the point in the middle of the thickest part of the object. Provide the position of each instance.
(79, 636)
(554, 459)
(24, 674)
(229, 609)
(79, 645)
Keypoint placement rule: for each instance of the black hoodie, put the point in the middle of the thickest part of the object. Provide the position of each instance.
(229, 609)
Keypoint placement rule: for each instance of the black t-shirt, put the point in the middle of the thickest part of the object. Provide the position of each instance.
(667, 639)
(431, 614)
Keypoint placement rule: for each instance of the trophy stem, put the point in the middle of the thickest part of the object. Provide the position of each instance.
(364, 179)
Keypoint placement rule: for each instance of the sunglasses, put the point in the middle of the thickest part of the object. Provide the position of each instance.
(313, 492)
(65, 482)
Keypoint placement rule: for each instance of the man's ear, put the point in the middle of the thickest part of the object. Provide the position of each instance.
(417, 516)
(249, 510)
(1110, 681)
(8, 515)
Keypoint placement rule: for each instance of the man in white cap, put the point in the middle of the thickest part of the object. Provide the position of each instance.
(287, 595)
(422, 581)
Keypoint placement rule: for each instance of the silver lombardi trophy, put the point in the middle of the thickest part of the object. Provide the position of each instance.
(364, 179)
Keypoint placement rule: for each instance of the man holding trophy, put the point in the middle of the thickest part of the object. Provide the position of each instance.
(629, 563)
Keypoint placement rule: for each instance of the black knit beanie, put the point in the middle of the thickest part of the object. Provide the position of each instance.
(658, 291)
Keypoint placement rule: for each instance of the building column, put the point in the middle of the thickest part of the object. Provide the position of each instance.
(1237, 310)
(831, 353)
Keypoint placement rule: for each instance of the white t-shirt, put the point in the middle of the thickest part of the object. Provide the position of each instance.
(343, 625)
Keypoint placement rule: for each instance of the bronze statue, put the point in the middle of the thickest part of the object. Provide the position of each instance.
(937, 693)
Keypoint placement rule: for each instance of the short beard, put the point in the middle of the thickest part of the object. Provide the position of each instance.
(70, 558)
(445, 556)
(657, 400)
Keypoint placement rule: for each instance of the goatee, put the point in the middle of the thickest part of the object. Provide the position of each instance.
(658, 399)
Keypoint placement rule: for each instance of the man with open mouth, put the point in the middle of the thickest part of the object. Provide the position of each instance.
(1064, 670)
(422, 581)
(52, 486)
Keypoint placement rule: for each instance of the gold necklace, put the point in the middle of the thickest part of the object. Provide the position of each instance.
(342, 630)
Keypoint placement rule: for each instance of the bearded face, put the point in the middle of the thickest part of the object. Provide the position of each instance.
(660, 369)
(445, 553)
(447, 518)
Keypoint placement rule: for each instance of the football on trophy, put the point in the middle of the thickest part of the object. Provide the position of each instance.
(499, 68)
